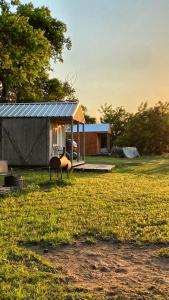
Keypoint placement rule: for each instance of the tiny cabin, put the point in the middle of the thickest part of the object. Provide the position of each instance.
(97, 138)
(31, 133)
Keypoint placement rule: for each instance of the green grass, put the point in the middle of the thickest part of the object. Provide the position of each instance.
(130, 204)
(163, 252)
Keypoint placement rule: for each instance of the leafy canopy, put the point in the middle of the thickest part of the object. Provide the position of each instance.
(89, 119)
(40, 18)
(46, 90)
(118, 119)
(30, 37)
(148, 129)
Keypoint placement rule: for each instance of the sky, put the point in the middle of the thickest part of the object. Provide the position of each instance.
(120, 50)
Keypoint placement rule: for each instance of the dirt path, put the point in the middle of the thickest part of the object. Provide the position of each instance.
(114, 269)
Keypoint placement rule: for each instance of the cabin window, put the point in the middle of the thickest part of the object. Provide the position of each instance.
(54, 136)
(58, 136)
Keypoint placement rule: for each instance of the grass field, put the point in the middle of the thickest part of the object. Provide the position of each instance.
(128, 205)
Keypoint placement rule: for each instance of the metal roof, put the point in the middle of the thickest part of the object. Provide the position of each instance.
(39, 110)
(102, 127)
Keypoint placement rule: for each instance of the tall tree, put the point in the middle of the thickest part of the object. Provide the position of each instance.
(55, 89)
(148, 129)
(118, 119)
(54, 30)
(46, 90)
(30, 37)
(89, 119)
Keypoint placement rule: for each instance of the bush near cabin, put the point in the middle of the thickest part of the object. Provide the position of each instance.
(147, 129)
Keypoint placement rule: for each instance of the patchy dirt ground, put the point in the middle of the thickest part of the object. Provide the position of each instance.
(114, 269)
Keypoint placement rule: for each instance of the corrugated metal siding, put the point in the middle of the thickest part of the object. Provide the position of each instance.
(33, 110)
(102, 127)
(25, 141)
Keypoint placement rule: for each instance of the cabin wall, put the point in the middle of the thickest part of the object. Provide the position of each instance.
(0, 139)
(95, 143)
(25, 141)
(92, 143)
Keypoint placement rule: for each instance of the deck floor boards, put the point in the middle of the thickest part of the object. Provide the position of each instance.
(94, 167)
(77, 163)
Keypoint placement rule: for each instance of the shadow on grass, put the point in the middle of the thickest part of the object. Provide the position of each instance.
(48, 185)
(161, 168)
(45, 244)
(152, 167)
(30, 187)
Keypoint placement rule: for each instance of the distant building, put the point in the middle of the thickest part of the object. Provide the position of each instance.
(97, 138)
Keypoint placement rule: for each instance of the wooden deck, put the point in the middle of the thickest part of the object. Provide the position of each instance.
(77, 163)
(94, 167)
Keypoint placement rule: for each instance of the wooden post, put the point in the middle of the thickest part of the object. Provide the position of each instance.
(71, 158)
(108, 143)
(83, 142)
(78, 142)
(2, 141)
